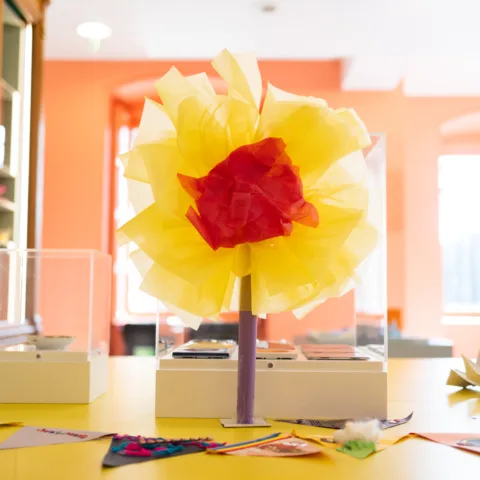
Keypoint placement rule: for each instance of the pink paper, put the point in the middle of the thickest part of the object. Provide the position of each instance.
(40, 436)
(452, 439)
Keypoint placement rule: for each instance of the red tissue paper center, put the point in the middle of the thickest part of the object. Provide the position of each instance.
(252, 195)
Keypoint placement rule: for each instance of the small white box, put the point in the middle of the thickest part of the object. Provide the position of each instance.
(61, 293)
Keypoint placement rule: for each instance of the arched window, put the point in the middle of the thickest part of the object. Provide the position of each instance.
(459, 233)
(132, 303)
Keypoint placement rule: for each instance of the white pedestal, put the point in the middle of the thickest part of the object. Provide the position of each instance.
(289, 389)
(52, 376)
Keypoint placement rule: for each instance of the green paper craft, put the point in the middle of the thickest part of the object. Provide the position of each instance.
(358, 448)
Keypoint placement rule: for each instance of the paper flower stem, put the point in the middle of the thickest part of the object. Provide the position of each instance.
(247, 345)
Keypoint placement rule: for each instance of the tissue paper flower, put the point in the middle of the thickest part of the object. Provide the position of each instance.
(223, 189)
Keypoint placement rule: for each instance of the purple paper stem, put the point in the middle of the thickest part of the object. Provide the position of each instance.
(247, 346)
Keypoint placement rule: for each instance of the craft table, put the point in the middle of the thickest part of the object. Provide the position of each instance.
(128, 407)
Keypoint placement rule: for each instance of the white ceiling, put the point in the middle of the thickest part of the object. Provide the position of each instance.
(432, 45)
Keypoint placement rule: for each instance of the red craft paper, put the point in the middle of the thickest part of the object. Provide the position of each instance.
(254, 194)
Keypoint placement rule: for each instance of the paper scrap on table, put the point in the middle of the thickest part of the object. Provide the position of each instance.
(464, 441)
(358, 448)
(126, 449)
(338, 424)
(354, 448)
(11, 424)
(40, 436)
(469, 378)
(276, 445)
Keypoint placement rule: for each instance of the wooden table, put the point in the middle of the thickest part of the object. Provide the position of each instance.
(128, 407)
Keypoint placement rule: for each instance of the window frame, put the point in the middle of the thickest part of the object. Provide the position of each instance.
(449, 316)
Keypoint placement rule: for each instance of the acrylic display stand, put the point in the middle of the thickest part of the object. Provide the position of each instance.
(301, 388)
(70, 292)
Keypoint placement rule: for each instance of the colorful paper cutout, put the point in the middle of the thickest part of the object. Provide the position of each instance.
(358, 448)
(126, 449)
(253, 195)
(338, 424)
(41, 436)
(469, 378)
(464, 441)
(276, 445)
(240, 191)
(11, 424)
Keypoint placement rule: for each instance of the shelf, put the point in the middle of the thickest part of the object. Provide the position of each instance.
(6, 205)
(8, 88)
(5, 173)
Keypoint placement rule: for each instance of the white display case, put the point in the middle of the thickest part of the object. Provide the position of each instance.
(61, 299)
(299, 388)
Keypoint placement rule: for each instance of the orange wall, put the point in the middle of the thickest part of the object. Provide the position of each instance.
(77, 168)
(423, 276)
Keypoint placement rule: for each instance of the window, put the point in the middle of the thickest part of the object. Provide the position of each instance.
(459, 231)
(132, 305)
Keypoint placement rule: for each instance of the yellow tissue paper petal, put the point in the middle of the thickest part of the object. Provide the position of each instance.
(273, 277)
(121, 238)
(306, 267)
(124, 157)
(343, 267)
(241, 74)
(162, 163)
(207, 133)
(202, 83)
(356, 249)
(155, 124)
(315, 136)
(315, 246)
(274, 95)
(281, 302)
(134, 166)
(141, 195)
(202, 139)
(239, 119)
(191, 133)
(145, 230)
(173, 88)
(289, 104)
(143, 264)
(186, 254)
(349, 116)
(189, 319)
(241, 260)
(175, 245)
(201, 300)
(229, 297)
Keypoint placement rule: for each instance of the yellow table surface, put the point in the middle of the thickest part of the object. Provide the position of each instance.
(128, 407)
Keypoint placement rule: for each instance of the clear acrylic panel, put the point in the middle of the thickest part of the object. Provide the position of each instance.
(60, 292)
(358, 318)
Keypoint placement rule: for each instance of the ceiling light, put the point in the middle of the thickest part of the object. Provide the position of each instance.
(94, 31)
(268, 8)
